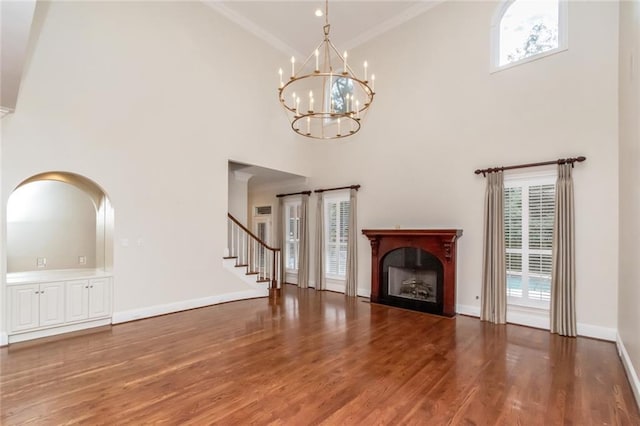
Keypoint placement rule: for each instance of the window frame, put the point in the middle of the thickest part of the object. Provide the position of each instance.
(563, 36)
(336, 197)
(297, 204)
(548, 177)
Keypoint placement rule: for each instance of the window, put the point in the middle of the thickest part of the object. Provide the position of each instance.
(529, 205)
(527, 30)
(336, 213)
(292, 236)
(341, 90)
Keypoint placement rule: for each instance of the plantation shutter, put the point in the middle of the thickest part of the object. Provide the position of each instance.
(337, 234)
(513, 234)
(541, 214)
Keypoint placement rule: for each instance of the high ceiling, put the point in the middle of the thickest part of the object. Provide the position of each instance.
(292, 26)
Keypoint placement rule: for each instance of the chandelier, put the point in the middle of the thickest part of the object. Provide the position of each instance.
(323, 97)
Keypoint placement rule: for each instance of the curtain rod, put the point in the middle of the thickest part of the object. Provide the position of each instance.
(521, 166)
(294, 193)
(356, 187)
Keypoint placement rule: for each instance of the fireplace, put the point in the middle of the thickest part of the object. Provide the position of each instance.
(414, 268)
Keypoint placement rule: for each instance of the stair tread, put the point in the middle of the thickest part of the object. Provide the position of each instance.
(264, 280)
(243, 265)
(230, 257)
(251, 273)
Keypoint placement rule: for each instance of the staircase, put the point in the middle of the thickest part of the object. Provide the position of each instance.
(252, 259)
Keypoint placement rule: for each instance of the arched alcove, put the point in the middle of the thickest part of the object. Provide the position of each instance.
(59, 221)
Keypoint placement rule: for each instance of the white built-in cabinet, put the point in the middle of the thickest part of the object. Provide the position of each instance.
(36, 305)
(88, 299)
(41, 308)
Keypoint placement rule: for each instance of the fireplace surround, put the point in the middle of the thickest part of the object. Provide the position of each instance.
(414, 268)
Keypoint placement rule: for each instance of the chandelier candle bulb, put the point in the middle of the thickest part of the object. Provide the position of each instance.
(280, 72)
(293, 66)
(297, 106)
(365, 70)
(373, 83)
(317, 63)
(345, 63)
(310, 101)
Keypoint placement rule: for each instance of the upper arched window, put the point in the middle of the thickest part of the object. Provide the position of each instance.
(524, 30)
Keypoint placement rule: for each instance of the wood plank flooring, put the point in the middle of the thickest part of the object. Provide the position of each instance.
(314, 358)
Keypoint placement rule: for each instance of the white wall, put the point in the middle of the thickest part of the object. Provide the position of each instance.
(238, 195)
(53, 220)
(135, 96)
(629, 291)
(439, 115)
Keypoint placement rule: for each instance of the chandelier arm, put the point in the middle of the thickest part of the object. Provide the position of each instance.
(335, 49)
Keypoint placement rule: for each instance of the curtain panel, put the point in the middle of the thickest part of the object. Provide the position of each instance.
(303, 247)
(318, 270)
(494, 274)
(563, 270)
(351, 283)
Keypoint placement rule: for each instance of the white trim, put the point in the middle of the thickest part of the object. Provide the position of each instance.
(241, 176)
(152, 311)
(5, 111)
(597, 332)
(391, 23)
(340, 288)
(253, 28)
(472, 311)
(4, 339)
(533, 319)
(30, 335)
(632, 375)
(563, 37)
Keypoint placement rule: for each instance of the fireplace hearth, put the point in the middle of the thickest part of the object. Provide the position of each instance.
(414, 268)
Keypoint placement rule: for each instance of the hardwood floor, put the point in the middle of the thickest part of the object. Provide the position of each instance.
(313, 358)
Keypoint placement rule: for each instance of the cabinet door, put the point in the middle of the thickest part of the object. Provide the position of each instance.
(24, 306)
(77, 306)
(51, 304)
(99, 297)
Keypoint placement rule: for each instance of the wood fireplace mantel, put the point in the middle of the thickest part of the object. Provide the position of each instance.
(440, 243)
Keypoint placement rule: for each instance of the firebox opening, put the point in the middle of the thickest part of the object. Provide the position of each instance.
(413, 278)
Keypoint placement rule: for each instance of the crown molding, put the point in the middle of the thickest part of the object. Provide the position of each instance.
(5, 111)
(252, 28)
(392, 23)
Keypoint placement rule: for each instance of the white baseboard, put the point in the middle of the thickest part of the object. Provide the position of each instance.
(54, 331)
(597, 332)
(4, 338)
(632, 375)
(530, 318)
(472, 311)
(152, 311)
(340, 288)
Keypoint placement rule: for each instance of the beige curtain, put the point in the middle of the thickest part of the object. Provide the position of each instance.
(303, 248)
(563, 272)
(351, 284)
(282, 232)
(494, 275)
(318, 270)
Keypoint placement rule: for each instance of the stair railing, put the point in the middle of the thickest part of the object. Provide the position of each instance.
(250, 251)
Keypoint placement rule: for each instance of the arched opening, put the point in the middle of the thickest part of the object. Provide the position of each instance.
(59, 221)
